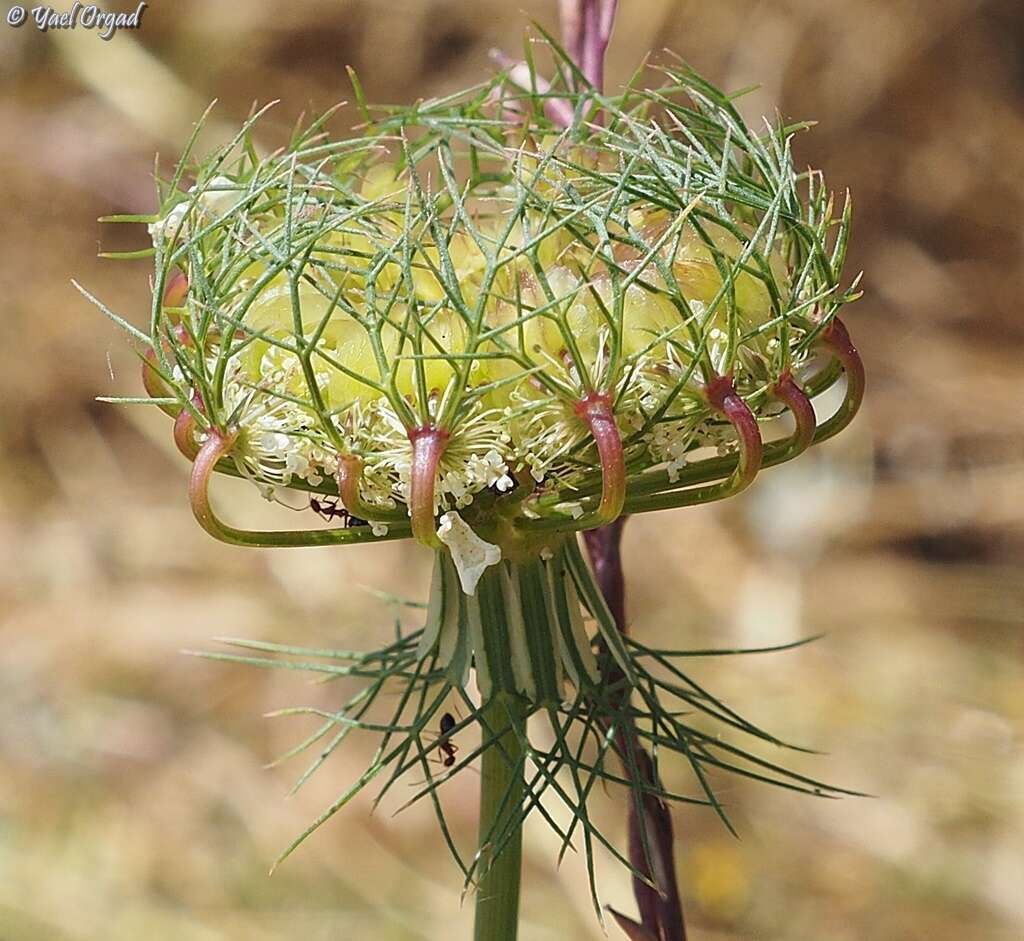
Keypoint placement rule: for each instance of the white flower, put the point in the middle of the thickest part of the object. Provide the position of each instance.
(504, 483)
(471, 554)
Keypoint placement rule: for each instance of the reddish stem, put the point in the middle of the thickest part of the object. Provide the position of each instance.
(792, 396)
(836, 339)
(184, 434)
(604, 546)
(651, 834)
(185, 429)
(428, 444)
(350, 472)
(571, 16)
(597, 36)
(595, 410)
(217, 444)
(722, 397)
(586, 32)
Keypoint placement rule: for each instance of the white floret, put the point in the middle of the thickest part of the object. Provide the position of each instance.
(471, 554)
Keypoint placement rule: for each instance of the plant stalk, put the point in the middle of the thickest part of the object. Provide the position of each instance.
(501, 795)
(651, 834)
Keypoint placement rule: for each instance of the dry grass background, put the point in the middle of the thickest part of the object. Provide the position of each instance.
(133, 801)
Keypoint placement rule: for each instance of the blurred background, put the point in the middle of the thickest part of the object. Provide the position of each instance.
(134, 801)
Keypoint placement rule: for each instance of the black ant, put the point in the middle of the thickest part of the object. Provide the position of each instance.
(443, 742)
(448, 747)
(328, 509)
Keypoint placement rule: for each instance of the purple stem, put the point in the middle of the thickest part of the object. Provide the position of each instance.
(571, 15)
(604, 546)
(661, 913)
(586, 32)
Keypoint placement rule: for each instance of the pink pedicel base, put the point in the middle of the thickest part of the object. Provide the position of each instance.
(595, 410)
(722, 397)
(428, 444)
(793, 397)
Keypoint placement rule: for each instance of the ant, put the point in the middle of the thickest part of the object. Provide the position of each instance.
(448, 747)
(445, 746)
(328, 509)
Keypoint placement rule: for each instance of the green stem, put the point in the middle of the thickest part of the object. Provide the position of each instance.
(501, 797)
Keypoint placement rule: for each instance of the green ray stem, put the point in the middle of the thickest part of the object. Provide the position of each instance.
(501, 797)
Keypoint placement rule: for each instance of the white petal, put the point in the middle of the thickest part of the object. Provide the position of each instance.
(504, 483)
(471, 554)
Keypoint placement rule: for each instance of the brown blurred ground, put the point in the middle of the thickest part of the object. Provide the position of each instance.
(133, 803)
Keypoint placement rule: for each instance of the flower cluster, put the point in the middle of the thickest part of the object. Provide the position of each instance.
(538, 327)
(490, 322)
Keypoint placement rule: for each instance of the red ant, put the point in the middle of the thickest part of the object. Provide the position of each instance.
(328, 509)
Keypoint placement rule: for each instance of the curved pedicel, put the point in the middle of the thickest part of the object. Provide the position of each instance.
(595, 410)
(185, 439)
(428, 444)
(185, 434)
(702, 472)
(350, 472)
(646, 492)
(723, 398)
(836, 339)
(218, 445)
(795, 399)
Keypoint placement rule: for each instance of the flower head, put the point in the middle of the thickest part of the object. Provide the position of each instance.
(503, 318)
